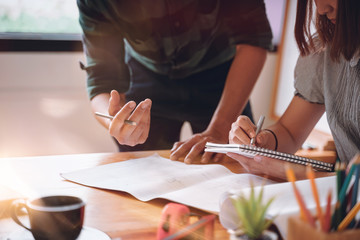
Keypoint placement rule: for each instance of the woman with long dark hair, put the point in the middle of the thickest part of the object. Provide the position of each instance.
(327, 79)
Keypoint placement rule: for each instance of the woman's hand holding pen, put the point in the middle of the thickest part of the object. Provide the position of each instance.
(124, 133)
(243, 130)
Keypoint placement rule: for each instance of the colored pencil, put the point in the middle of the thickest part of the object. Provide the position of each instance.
(337, 215)
(355, 162)
(343, 197)
(327, 217)
(344, 223)
(356, 186)
(338, 178)
(305, 214)
(354, 196)
(345, 185)
(311, 176)
(340, 208)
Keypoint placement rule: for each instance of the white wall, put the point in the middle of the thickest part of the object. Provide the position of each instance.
(44, 107)
(289, 57)
(261, 96)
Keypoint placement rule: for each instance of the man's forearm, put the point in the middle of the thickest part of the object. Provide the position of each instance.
(242, 76)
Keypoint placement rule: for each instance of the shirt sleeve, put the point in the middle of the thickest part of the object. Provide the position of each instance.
(308, 77)
(246, 22)
(104, 49)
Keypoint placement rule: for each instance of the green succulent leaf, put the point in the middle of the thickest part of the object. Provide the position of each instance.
(252, 211)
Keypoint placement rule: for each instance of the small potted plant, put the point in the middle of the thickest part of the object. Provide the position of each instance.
(251, 214)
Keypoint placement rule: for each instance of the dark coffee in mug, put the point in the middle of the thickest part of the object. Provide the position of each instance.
(52, 217)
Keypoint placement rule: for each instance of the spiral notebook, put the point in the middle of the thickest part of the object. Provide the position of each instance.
(251, 151)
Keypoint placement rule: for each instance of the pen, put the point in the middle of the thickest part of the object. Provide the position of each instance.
(111, 117)
(258, 128)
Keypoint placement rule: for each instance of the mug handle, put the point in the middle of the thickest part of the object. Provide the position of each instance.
(15, 207)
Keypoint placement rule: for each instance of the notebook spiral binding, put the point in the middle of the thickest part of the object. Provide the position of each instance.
(287, 157)
(253, 150)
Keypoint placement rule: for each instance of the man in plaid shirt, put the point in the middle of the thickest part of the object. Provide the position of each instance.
(163, 62)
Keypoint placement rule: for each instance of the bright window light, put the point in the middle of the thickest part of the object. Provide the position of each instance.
(39, 16)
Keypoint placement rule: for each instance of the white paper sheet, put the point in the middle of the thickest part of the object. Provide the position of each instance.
(197, 185)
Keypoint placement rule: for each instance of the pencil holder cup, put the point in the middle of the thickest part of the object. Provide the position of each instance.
(299, 230)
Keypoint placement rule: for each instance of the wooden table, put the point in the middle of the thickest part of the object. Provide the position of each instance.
(118, 214)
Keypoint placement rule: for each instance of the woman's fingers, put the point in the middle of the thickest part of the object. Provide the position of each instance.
(242, 130)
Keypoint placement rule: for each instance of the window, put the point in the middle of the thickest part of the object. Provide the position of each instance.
(39, 25)
(52, 25)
